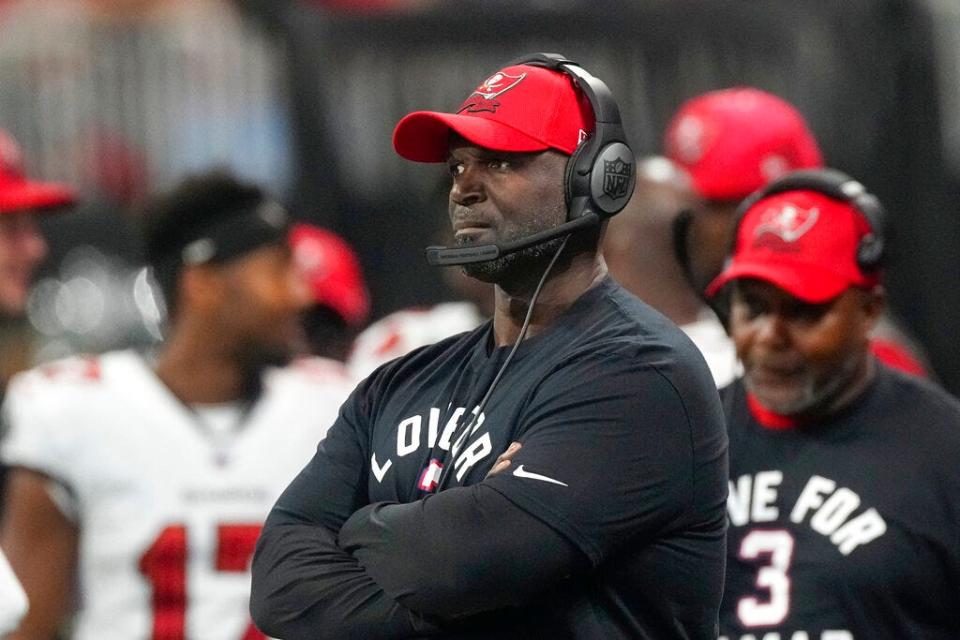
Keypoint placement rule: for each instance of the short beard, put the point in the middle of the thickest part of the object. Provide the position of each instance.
(514, 266)
(519, 266)
(817, 400)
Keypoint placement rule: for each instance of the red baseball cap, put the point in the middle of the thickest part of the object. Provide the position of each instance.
(332, 271)
(522, 108)
(803, 242)
(17, 193)
(734, 141)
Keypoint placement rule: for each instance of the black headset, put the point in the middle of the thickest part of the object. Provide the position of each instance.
(600, 175)
(838, 186)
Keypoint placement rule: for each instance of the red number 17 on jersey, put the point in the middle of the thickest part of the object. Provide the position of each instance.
(165, 566)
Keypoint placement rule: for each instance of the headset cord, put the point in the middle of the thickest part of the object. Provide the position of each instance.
(465, 435)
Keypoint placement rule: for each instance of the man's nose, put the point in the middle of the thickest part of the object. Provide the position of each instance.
(30, 240)
(773, 329)
(468, 187)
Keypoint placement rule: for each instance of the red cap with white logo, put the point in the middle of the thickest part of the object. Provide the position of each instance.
(803, 242)
(17, 193)
(734, 141)
(522, 108)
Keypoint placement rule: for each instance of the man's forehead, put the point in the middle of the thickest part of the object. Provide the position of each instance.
(459, 145)
(463, 149)
(771, 292)
(9, 219)
(722, 207)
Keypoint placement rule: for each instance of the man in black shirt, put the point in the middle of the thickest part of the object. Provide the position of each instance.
(844, 480)
(574, 488)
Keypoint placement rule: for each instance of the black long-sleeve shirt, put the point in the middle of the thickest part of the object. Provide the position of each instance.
(610, 522)
(848, 527)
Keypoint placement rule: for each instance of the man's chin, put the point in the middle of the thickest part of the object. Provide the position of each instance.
(483, 271)
(785, 400)
(517, 266)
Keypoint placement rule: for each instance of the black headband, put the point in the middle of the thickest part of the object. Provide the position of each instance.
(244, 231)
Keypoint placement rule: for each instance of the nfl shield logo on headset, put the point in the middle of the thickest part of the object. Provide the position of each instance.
(616, 177)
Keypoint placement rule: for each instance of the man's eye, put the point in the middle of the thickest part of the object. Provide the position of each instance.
(499, 164)
(754, 308)
(809, 313)
(455, 168)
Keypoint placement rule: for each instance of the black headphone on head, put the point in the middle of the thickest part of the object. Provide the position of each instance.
(600, 175)
(838, 186)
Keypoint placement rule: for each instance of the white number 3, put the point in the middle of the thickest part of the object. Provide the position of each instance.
(778, 545)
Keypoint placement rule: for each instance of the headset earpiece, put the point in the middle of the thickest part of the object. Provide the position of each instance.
(600, 174)
(576, 180)
(871, 250)
(839, 186)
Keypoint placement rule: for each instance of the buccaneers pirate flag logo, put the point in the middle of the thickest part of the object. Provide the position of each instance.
(788, 222)
(483, 97)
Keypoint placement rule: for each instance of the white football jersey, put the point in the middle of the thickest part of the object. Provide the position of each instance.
(402, 331)
(13, 601)
(716, 346)
(168, 508)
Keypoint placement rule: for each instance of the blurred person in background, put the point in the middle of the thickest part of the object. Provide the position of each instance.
(403, 331)
(22, 249)
(22, 245)
(340, 299)
(732, 142)
(139, 482)
(639, 251)
(844, 480)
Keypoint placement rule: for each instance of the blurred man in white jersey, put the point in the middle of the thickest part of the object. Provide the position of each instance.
(143, 481)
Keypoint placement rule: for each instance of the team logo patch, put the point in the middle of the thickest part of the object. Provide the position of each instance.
(689, 139)
(616, 177)
(430, 476)
(773, 166)
(787, 222)
(484, 97)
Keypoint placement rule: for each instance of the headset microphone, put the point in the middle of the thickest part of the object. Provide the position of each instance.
(452, 256)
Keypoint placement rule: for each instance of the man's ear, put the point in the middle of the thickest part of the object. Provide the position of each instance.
(201, 287)
(874, 303)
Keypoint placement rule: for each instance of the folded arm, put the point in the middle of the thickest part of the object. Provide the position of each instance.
(402, 570)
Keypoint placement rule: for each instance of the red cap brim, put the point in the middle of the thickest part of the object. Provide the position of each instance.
(806, 282)
(24, 195)
(423, 136)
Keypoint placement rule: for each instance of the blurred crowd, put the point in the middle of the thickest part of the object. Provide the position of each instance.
(203, 191)
(120, 99)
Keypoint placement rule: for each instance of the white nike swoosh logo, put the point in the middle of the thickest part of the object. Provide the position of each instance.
(520, 473)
